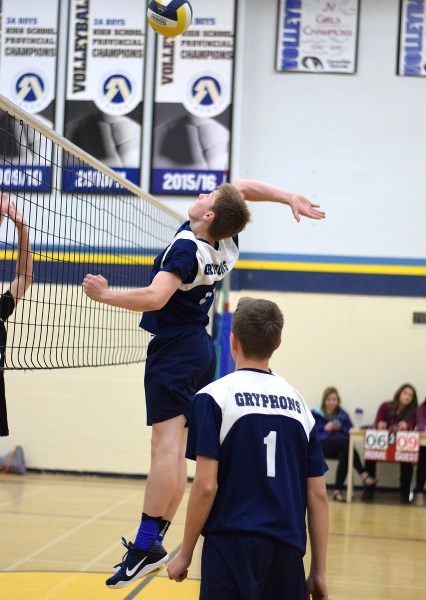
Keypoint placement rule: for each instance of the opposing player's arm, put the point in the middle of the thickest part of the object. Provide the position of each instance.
(152, 297)
(24, 261)
(201, 498)
(317, 515)
(258, 191)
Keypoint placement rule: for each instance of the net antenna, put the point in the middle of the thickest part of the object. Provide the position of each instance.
(83, 217)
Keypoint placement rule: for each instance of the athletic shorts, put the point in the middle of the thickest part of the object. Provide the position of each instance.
(178, 365)
(240, 566)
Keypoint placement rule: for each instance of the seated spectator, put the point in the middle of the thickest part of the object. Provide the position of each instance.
(398, 414)
(421, 466)
(333, 424)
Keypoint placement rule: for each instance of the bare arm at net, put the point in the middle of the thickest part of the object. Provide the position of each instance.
(152, 297)
(24, 262)
(259, 191)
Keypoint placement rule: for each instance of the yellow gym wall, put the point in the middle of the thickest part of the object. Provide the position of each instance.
(93, 419)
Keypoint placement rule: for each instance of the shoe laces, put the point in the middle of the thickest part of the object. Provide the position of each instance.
(129, 547)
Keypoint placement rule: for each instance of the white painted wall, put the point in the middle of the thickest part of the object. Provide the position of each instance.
(353, 143)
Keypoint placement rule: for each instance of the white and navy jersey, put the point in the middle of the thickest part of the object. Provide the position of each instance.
(265, 439)
(200, 266)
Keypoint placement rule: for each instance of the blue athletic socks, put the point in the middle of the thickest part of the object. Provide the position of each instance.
(148, 531)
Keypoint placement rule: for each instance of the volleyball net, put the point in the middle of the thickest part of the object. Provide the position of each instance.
(82, 218)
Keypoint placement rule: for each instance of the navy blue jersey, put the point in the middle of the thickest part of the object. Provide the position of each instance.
(200, 266)
(264, 436)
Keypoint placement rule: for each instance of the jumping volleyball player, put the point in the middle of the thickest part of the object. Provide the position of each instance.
(181, 357)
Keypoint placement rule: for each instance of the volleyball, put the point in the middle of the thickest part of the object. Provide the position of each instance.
(169, 17)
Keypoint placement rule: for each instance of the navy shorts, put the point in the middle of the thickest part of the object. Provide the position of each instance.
(243, 566)
(178, 365)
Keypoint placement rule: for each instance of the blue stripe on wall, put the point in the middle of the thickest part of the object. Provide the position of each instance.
(281, 272)
(328, 283)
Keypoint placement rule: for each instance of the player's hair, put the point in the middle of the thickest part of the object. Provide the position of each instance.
(231, 214)
(326, 393)
(258, 325)
(407, 412)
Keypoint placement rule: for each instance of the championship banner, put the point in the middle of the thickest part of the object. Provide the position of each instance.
(390, 446)
(27, 78)
(103, 113)
(193, 103)
(317, 36)
(412, 39)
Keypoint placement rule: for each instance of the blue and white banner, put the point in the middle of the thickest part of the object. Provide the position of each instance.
(193, 103)
(317, 36)
(106, 48)
(27, 78)
(412, 38)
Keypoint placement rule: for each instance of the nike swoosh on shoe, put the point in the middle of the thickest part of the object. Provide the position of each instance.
(130, 572)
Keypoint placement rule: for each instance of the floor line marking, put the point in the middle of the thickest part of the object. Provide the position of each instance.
(71, 532)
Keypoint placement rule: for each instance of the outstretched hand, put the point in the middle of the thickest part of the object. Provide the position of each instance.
(94, 286)
(8, 209)
(301, 206)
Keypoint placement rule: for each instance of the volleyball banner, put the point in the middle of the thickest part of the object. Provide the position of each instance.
(28, 78)
(317, 36)
(193, 103)
(104, 97)
(412, 39)
(391, 446)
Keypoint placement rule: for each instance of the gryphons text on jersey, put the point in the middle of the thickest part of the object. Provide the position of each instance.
(200, 266)
(264, 436)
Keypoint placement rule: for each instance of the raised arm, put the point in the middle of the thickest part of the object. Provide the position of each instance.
(24, 261)
(152, 297)
(258, 191)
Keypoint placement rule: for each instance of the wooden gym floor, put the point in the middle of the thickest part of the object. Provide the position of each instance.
(60, 536)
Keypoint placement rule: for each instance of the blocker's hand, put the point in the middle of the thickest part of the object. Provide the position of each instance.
(8, 209)
(94, 286)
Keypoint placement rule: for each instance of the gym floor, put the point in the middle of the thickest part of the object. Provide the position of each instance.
(60, 536)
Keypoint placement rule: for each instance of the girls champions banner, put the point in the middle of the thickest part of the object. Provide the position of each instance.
(103, 116)
(28, 79)
(317, 36)
(193, 103)
(412, 38)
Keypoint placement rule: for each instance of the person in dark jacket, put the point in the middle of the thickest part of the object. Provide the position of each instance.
(333, 424)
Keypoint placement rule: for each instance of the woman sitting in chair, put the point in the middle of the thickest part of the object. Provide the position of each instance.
(333, 425)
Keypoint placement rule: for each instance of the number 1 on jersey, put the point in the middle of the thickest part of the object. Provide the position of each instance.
(271, 443)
